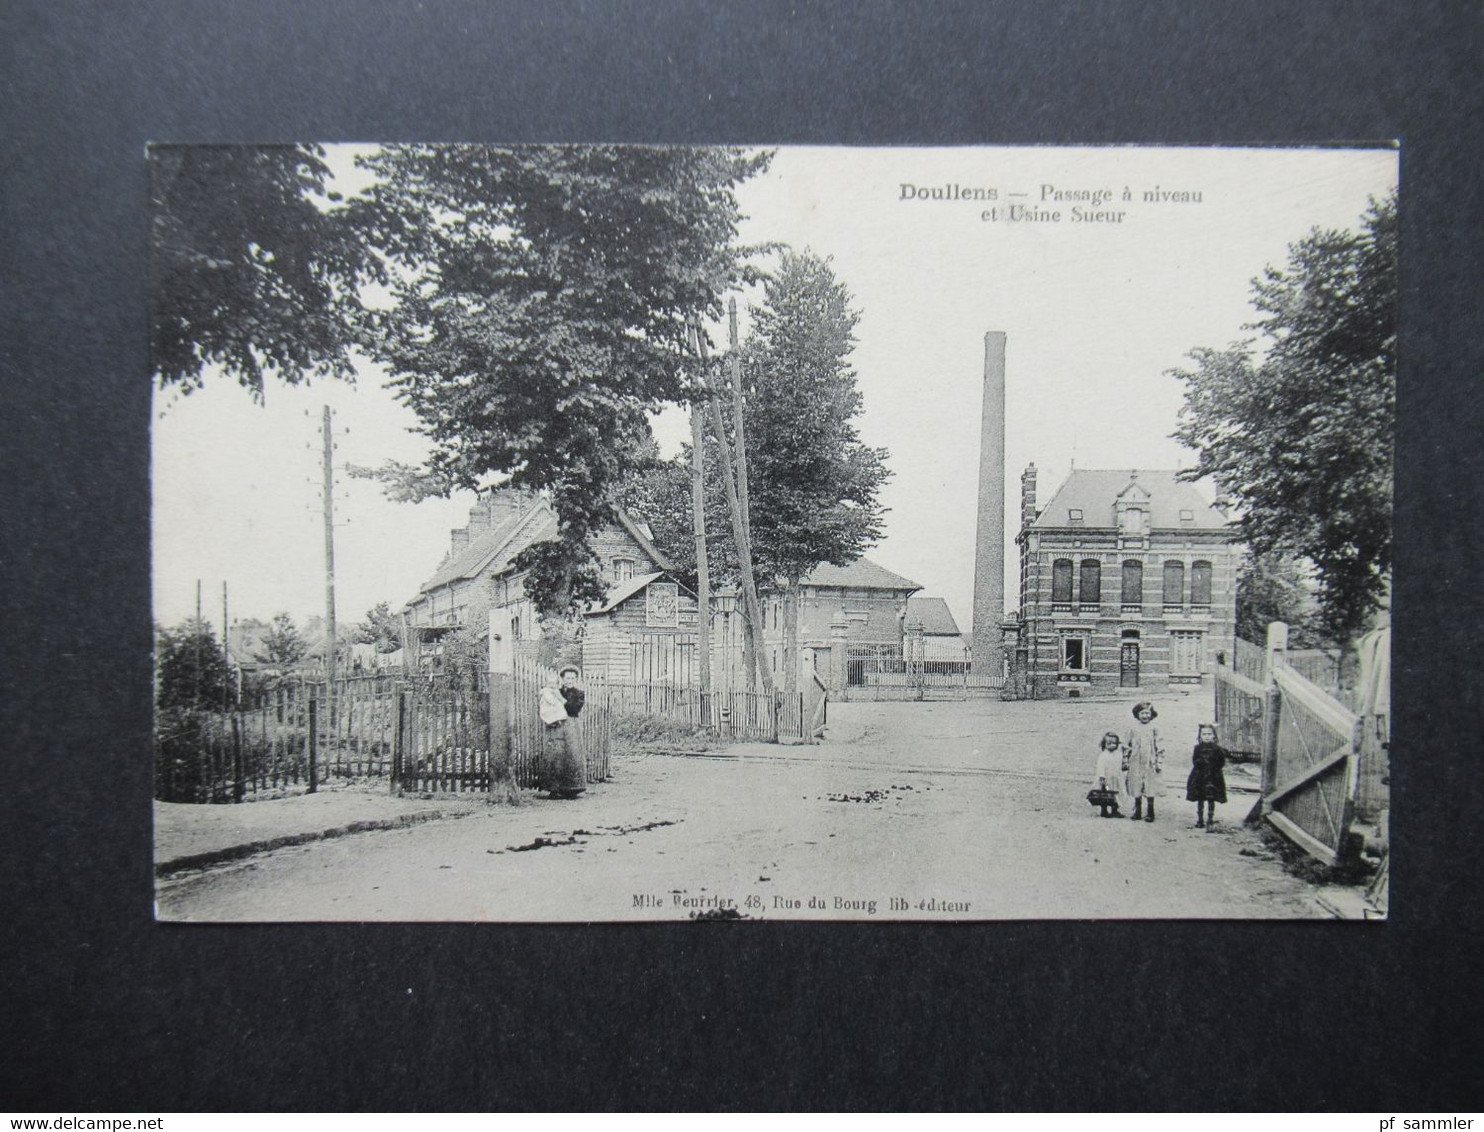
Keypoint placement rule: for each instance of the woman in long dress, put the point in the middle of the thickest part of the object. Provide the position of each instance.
(563, 774)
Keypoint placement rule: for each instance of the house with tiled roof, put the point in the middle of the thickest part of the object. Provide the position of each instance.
(479, 575)
(861, 604)
(1128, 580)
(944, 647)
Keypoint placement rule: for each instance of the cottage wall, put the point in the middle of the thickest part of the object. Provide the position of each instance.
(615, 543)
(622, 645)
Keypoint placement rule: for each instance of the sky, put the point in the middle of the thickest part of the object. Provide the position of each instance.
(1096, 313)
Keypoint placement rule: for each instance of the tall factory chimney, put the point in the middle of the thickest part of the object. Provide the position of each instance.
(989, 545)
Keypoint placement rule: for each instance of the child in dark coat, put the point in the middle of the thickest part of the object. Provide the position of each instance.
(1207, 784)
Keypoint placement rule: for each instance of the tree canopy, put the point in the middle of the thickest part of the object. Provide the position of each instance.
(381, 628)
(1296, 424)
(550, 318)
(282, 645)
(255, 265)
(1271, 587)
(814, 485)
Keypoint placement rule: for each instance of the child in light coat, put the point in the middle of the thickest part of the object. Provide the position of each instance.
(1143, 761)
(1107, 782)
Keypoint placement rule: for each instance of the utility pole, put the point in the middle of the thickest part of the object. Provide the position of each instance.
(703, 571)
(752, 620)
(330, 636)
(196, 692)
(226, 656)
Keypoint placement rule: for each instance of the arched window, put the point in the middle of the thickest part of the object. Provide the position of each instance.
(1200, 583)
(1133, 522)
(1061, 582)
(1133, 584)
(1090, 592)
(1174, 583)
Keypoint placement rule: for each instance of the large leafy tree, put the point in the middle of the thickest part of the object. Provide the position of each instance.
(814, 484)
(256, 264)
(1296, 425)
(550, 318)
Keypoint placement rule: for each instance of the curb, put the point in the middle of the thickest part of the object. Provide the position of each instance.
(267, 845)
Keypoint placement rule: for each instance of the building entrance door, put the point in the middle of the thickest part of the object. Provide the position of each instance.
(1128, 665)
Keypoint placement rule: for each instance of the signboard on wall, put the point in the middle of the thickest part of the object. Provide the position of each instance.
(662, 605)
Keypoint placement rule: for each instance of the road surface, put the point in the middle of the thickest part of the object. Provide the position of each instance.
(934, 811)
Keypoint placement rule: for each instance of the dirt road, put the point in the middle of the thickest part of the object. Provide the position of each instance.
(929, 811)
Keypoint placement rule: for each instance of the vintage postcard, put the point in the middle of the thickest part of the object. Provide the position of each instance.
(623, 533)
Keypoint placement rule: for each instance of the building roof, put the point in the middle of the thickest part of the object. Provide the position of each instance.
(933, 614)
(862, 574)
(620, 592)
(1096, 492)
(501, 542)
(496, 548)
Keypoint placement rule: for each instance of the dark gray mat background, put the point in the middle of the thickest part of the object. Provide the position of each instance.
(105, 1010)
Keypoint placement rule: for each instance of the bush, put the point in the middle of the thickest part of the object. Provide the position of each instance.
(189, 748)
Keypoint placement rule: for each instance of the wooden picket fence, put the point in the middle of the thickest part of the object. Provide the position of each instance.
(423, 734)
(442, 733)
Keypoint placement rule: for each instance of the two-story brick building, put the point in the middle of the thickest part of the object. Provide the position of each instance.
(1127, 580)
(859, 606)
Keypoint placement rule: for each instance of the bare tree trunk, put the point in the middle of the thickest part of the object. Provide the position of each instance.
(739, 429)
(752, 621)
(791, 636)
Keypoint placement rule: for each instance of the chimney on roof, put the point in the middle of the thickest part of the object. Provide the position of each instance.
(479, 516)
(498, 506)
(458, 538)
(1028, 495)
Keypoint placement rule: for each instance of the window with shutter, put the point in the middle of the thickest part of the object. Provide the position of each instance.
(1061, 584)
(1200, 583)
(1174, 589)
(1133, 585)
(1090, 591)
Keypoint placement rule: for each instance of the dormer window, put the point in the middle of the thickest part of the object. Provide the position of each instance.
(1074, 515)
(1133, 522)
(1187, 515)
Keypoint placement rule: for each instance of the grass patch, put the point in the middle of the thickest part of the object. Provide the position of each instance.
(637, 732)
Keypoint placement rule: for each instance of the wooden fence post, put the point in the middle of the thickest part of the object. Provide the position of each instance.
(399, 739)
(238, 787)
(1277, 645)
(502, 767)
(313, 745)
